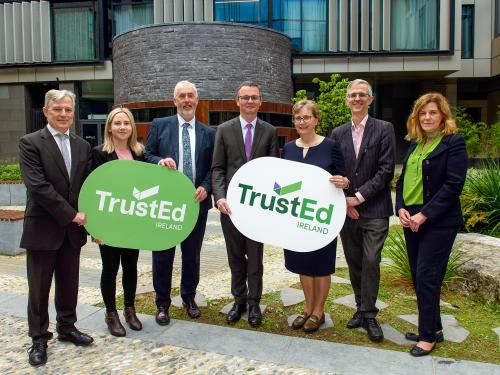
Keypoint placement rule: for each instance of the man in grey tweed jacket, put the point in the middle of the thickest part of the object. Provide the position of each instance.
(368, 148)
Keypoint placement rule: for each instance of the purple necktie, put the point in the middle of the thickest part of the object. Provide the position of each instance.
(248, 140)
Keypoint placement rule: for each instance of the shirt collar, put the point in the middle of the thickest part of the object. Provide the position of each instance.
(361, 125)
(244, 122)
(54, 131)
(182, 121)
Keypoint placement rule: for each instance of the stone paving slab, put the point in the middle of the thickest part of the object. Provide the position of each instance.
(392, 334)
(291, 296)
(497, 331)
(339, 280)
(452, 329)
(200, 300)
(350, 301)
(244, 316)
(327, 324)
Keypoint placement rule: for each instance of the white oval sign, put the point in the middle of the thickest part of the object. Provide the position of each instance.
(287, 204)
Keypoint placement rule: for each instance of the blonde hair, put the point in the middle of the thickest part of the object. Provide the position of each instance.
(109, 145)
(413, 126)
(307, 104)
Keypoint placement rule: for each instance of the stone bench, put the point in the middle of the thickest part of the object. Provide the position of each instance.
(11, 228)
(12, 193)
(482, 273)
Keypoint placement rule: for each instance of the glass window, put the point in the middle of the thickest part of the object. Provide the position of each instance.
(128, 15)
(467, 31)
(253, 12)
(497, 17)
(414, 24)
(74, 33)
(305, 21)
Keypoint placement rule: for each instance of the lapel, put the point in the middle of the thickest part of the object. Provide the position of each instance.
(347, 138)
(199, 138)
(367, 134)
(441, 147)
(55, 152)
(174, 137)
(257, 135)
(238, 136)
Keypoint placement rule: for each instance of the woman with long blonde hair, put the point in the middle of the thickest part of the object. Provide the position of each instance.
(120, 143)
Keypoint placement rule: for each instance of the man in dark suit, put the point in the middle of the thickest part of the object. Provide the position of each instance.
(368, 148)
(181, 142)
(237, 141)
(53, 165)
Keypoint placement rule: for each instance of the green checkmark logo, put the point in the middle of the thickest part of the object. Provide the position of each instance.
(287, 189)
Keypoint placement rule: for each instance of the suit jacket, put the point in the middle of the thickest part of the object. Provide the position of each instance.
(52, 195)
(163, 142)
(229, 152)
(372, 171)
(443, 177)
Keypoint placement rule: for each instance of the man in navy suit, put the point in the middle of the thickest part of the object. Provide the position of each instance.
(367, 144)
(181, 142)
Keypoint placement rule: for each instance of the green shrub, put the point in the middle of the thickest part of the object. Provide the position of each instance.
(10, 172)
(395, 250)
(480, 199)
(480, 139)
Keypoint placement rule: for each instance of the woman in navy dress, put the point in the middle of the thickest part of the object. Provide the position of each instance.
(315, 267)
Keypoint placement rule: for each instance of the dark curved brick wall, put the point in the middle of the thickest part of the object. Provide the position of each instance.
(217, 57)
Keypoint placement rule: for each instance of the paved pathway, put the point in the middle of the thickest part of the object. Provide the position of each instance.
(186, 347)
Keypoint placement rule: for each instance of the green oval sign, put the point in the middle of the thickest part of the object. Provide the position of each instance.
(137, 205)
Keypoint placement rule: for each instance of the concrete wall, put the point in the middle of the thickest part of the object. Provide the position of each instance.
(217, 57)
(13, 120)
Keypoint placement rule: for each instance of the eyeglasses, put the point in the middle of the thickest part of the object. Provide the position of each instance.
(361, 95)
(247, 98)
(302, 118)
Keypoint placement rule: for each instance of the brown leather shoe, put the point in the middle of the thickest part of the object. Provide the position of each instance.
(313, 323)
(162, 317)
(300, 321)
(114, 325)
(192, 309)
(131, 318)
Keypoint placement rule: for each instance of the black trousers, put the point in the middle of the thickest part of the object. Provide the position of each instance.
(163, 262)
(245, 261)
(428, 252)
(363, 240)
(62, 264)
(111, 259)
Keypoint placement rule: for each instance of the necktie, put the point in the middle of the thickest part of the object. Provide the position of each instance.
(64, 151)
(187, 163)
(248, 140)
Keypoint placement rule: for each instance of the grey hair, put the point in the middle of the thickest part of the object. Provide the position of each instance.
(58, 95)
(360, 82)
(181, 84)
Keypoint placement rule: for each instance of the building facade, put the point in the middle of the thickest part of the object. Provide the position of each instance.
(403, 47)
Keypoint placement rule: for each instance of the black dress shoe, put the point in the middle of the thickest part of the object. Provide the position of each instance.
(162, 317)
(38, 354)
(254, 315)
(192, 309)
(76, 337)
(356, 321)
(375, 333)
(417, 351)
(414, 337)
(235, 313)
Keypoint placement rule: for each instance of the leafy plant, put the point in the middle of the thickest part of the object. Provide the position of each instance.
(471, 131)
(10, 172)
(480, 199)
(331, 102)
(395, 250)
